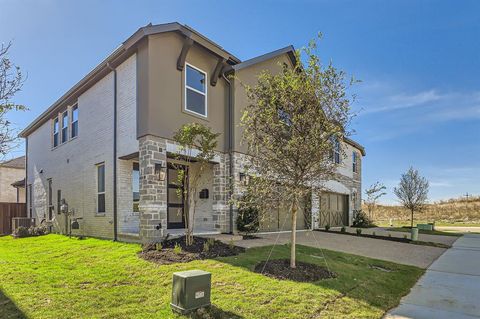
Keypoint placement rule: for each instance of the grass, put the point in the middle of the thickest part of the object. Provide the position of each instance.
(57, 277)
(407, 229)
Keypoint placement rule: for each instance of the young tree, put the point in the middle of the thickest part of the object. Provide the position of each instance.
(374, 192)
(198, 145)
(291, 124)
(412, 191)
(11, 81)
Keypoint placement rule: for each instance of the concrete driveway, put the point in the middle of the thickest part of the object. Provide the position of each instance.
(450, 288)
(402, 253)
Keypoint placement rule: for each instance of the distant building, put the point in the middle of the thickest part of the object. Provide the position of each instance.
(12, 180)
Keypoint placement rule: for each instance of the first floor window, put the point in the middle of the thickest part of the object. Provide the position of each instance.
(135, 186)
(101, 188)
(195, 90)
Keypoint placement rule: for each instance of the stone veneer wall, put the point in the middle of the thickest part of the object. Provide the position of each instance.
(220, 205)
(153, 192)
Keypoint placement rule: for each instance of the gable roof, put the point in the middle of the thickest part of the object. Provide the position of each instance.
(288, 50)
(118, 56)
(356, 145)
(18, 162)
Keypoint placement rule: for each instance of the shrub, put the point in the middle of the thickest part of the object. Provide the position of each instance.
(374, 234)
(177, 249)
(343, 229)
(21, 232)
(327, 227)
(206, 247)
(359, 231)
(28, 232)
(405, 236)
(38, 230)
(247, 220)
(360, 219)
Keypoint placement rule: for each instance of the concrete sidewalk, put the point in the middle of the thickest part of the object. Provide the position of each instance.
(450, 287)
(402, 253)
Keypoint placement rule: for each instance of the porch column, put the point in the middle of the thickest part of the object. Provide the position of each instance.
(220, 207)
(153, 190)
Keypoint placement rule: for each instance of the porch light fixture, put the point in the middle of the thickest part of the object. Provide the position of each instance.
(160, 171)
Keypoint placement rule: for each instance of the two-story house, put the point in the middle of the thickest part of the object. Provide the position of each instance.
(105, 147)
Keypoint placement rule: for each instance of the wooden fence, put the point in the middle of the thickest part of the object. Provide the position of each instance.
(9, 211)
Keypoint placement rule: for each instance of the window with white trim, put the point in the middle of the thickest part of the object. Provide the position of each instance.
(64, 126)
(101, 188)
(55, 132)
(195, 90)
(74, 124)
(336, 151)
(354, 162)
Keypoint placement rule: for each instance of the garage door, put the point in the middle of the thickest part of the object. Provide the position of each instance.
(279, 218)
(333, 210)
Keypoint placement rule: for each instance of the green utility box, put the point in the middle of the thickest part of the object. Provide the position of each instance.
(190, 290)
(425, 226)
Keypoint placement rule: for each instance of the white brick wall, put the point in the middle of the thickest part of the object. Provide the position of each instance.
(72, 165)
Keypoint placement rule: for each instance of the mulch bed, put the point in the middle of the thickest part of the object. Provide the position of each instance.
(393, 238)
(167, 254)
(304, 272)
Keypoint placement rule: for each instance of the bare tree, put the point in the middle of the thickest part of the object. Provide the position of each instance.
(412, 191)
(291, 125)
(374, 192)
(11, 81)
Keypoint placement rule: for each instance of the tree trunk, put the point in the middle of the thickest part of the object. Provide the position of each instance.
(294, 234)
(412, 219)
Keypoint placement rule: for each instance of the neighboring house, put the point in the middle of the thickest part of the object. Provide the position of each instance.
(105, 147)
(12, 180)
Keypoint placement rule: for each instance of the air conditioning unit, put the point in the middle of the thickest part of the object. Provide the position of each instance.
(190, 290)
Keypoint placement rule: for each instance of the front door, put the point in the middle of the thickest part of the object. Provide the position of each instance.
(175, 198)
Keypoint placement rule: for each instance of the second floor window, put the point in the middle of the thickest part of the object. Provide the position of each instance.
(336, 151)
(74, 125)
(101, 188)
(55, 132)
(354, 161)
(64, 126)
(195, 91)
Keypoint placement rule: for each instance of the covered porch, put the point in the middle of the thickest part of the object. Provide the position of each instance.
(151, 184)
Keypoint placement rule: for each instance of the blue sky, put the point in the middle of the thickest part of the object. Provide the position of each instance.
(419, 62)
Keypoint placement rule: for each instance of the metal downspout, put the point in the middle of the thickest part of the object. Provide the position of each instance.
(230, 148)
(115, 222)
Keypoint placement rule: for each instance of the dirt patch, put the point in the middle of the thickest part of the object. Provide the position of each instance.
(202, 248)
(304, 272)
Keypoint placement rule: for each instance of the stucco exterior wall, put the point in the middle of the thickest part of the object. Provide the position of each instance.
(72, 165)
(8, 193)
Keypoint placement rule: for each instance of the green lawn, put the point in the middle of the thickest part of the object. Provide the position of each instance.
(57, 277)
(422, 231)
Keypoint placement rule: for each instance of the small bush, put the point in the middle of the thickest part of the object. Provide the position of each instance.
(247, 220)
(374, 234)
(206, 247)
(21, 232)
(177, 249)
(389, 235)
(359, 231)
(327, 227)
(405, 236)
(211, 241)
(158, 246)
(343, 229)
(231, 244)
(360, 219)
